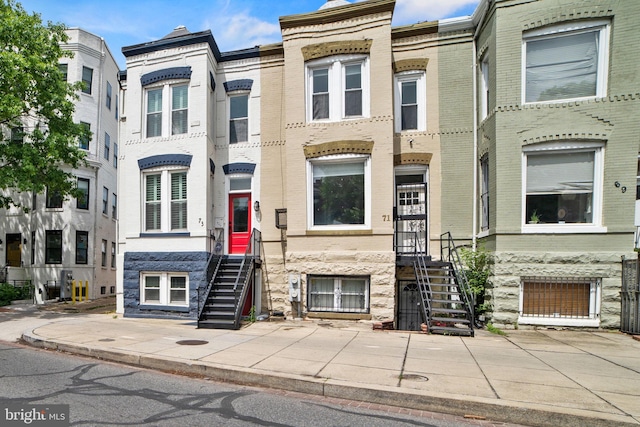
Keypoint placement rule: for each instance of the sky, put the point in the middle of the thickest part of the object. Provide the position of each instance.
(235, 24)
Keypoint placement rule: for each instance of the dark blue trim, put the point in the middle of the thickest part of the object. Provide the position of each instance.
(166, 74)
(157, 235)
(180, 308)
(242, 84)
(164, 160)
(212, 166)
(239, 168)
(174, 42)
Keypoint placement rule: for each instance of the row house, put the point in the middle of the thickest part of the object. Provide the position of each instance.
(58, 241)
(334, 174)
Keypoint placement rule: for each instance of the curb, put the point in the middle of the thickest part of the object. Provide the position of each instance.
(525, 414)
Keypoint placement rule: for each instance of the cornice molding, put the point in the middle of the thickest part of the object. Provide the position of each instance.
(338, 147)
(342, 47)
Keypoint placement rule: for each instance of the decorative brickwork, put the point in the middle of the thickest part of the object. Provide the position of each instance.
(417, 64)
(346, 47)
(412, 159)
(338, 147)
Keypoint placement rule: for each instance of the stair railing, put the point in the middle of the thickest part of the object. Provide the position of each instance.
(213, 265)
(449, 253)
(246, 270)
(424, 285)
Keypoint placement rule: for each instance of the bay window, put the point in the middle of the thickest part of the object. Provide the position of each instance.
(339, 192)
(338, 88)
(163, 99)
(563, 187)
(568, 61)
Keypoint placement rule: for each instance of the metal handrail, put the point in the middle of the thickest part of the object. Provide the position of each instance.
(420, 266)
(453, 257)
(212, 272)
(248, 263)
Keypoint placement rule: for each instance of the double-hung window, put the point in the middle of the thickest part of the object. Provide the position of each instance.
(338, 88)
(53, 247)
(238, 118)
(484, 193)
(82, 247)
(567, 61)
(165, 206)
(339, 191)
(160, 100)
(107, 145)
(341, 294)
(82, 202)
(109, 95)
(87, 80)
(83, 143)
(164, 288)
(105, 200)
(411, 101)
(563, 187)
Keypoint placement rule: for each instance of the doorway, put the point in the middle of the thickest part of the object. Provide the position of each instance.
(409, 315)
(14, 250)
(411, 211)
(239, 222)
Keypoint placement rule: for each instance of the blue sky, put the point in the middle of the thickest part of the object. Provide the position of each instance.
(235, 24)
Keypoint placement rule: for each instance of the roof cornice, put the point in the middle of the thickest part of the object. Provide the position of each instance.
(338, 13)
(186, 40)
(419, 29)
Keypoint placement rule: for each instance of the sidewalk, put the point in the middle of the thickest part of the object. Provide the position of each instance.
(535, 378)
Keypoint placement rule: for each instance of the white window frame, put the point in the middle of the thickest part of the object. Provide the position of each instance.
(337, 294)
(484, 87)
(573, 28)
(337, 86)
(236, 94)
(593, 320)
(164, 288)
(597, 197)
(420, 77)
(165, 198)
(166, 112)
(343, 158)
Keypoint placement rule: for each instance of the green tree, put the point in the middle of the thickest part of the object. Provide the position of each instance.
(38, 137)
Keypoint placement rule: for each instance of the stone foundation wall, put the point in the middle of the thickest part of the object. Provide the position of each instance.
(379, 266)
(510, 267)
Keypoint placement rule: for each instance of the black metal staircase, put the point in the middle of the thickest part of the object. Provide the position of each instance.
(231, 278)
(447, 302)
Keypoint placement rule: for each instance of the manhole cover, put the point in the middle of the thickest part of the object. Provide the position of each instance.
(192, 342)
(415, 377)
(106, 340)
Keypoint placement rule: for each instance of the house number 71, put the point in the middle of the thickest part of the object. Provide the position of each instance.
(386, 218)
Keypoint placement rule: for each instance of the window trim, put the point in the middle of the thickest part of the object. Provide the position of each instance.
(598, 187)
(165, 198)
(237, 94)
(420, 77)
(166, 107)
(337, 86)
(86, 249)
(103, 253)
(105, 201)
(47, 248)
(484, 88)
(86, 84)
(107, 146)
(78, 205)
(567, 29)
(164, 289)
(342, 158)
(337, 284)
(108, 95)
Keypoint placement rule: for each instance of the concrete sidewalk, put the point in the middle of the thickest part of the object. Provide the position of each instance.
(535, 378)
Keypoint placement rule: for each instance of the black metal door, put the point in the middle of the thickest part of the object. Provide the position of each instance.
(408, 306)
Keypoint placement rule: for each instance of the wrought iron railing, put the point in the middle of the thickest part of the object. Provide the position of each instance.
(424, 285)
(449, 253)
(244, 277)
(213, 265)
(630, 297)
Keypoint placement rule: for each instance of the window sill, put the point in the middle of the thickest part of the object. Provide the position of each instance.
(338, 316)
(157, 235)
(562, 229)
(559, 321)
(335, 232)
(180, 308)
(561, 101)
(482, 234)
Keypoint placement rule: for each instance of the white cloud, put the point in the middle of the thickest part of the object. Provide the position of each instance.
(235, 28)
(412, 11)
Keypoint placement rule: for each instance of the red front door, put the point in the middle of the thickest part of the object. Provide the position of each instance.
(239, 222)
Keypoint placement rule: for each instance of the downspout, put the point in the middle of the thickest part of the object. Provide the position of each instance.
(475, 141)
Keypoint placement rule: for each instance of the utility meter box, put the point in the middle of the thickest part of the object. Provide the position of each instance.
(66, 277)
(294, 287)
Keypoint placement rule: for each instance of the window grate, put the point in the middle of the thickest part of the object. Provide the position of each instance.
(559, 297)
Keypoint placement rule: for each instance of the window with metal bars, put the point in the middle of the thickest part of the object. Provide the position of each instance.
(560, 297)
